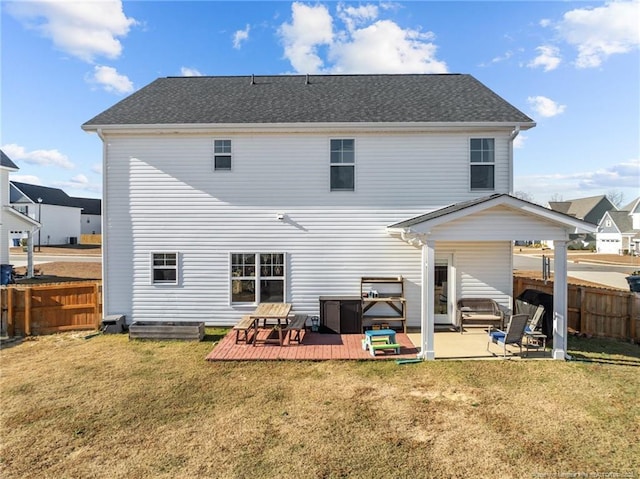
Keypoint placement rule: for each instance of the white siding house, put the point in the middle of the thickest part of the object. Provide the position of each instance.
(53, 208)
(12, 220)
(619, 231)
(222, 192)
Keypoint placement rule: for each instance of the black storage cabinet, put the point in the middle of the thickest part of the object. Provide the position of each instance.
(341, 314)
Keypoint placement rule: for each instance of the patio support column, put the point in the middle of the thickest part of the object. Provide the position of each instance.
(427, 319)
(30, 254)
(560, 301)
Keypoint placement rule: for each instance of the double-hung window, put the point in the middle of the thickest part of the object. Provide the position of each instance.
(343, 165)
(257, 278)
(482, 156)
(164, 268)
(222, 155)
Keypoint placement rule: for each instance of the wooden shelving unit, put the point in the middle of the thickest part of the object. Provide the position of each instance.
(383, 301)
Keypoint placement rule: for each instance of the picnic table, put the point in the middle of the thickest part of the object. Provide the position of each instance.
(275, 317)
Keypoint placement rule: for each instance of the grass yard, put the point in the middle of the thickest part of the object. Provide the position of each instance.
(106, 407)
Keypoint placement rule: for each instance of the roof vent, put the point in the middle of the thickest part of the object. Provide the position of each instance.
(253, 79)
(307, 82)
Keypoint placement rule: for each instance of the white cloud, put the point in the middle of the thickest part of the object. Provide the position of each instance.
(84, 29)
(354, 16)
(37, 157)
(518, 143)
(79, 183)
(384, 47)
(548, 58)
(241, 36)
(310, 27)
(190, 72)
(625, 175)
(545, 22)
(364, 45)
(29, 179)
(600, 32)
(545, 107)
(97, 168)
(110, 80)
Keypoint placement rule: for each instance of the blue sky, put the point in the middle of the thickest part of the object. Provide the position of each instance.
(572, 66)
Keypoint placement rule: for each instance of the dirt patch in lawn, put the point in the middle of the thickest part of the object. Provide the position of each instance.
(58, 272)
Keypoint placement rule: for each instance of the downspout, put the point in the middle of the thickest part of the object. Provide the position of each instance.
(512, 137)
(103, 215)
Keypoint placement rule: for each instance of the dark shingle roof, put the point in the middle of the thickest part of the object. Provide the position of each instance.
(50, 196)
(445, 211)
(6, 161)
(325, 99)
(90, 206)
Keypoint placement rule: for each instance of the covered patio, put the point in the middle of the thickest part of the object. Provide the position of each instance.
(497, 219)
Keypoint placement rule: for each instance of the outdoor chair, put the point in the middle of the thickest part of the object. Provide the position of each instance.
(535, 320)
(513, 334)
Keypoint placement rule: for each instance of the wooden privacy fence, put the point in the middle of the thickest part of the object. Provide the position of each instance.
(51, 308)
(90, 239)
(600, 312)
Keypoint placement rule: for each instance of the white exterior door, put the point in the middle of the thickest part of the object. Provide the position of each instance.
(444, 291)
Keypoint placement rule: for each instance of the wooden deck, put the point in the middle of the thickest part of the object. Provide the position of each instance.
(313, 347)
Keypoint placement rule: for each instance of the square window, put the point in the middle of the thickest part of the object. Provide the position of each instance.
(266, 283)
(164, 268)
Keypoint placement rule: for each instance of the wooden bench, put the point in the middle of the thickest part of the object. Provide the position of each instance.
(243, 328)
(295, 327)
(482, 311)
(382, 346)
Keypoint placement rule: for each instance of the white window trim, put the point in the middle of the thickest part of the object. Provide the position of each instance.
(216, 170)
(355, 155)
(152, 269)
(256, 278)
(470, 164)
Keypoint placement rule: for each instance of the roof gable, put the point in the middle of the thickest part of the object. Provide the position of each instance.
(49, 196)
(426, 222)
(633, 207)
(622, 221)
(6, 162)
(582, 207)
(312, 99)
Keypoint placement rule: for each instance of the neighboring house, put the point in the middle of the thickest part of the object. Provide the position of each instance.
(91, 217)
(619, 231)
(12, 222)
(590, 209)
(224, 192)
(58, 213)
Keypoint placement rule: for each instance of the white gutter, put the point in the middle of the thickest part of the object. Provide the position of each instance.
(103, 222)
(303, 127)
(512, 137)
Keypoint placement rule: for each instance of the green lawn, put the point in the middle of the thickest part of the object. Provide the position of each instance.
(107, 407)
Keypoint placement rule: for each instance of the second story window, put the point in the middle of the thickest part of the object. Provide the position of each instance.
(222, 155)
(343, 159)
(482, 156)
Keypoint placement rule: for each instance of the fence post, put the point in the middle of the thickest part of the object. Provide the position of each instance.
(582, 312)
(27, 312)
(96, 307)
(634, 312)
(11, 330)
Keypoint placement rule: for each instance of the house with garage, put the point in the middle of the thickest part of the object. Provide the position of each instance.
(619, 230)
(224, 192)
(590, 209)
(12, 222)
(58, 213)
